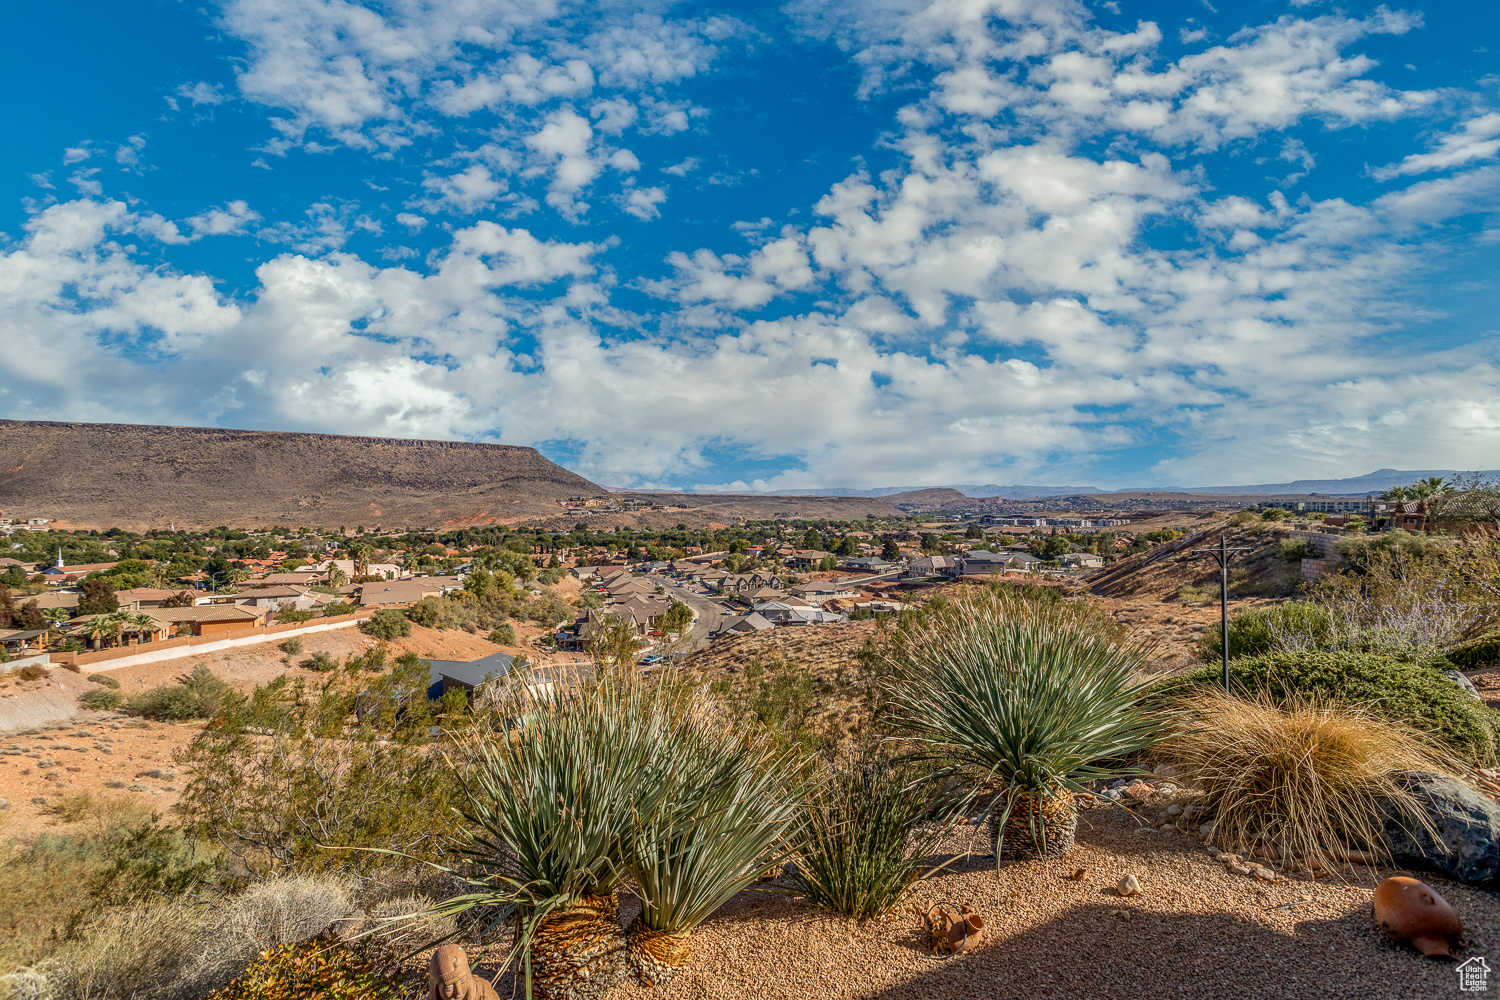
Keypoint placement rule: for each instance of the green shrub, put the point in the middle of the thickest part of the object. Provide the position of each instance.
(101, 699)
(861, 848)
(1409, 693)
(1254, 632)
(292, 646)
(338, 608)
(503, 635)
(1191, 593)
(386, 624)
(294, 616)
(105, 679)
(200, 695)
(1477, 653)
(285, 783)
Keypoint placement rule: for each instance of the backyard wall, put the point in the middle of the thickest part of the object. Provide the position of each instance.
(192, 645)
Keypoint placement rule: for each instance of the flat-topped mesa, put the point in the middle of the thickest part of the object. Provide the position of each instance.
(136, 476)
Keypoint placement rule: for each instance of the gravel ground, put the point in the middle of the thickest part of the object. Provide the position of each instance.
(1194, 931)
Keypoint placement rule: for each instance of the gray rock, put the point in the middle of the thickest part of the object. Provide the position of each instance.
(4, 805)
(1468, 826)
(1463, 682)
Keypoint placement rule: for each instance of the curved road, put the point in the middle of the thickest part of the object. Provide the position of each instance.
(708, 609)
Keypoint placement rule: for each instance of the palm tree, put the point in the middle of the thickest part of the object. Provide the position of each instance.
(1025, 691)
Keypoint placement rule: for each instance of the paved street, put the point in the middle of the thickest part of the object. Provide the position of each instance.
(708, 609)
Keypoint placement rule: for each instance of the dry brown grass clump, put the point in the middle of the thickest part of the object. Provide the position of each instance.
(1303, 778)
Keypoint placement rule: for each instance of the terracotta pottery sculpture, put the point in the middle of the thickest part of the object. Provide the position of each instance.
(1411, 911)
(953, 932)
(449, 978)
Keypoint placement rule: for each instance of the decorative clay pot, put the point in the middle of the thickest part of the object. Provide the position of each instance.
(1411, 911)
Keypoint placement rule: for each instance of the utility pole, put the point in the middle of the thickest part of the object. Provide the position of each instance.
(1222, 555)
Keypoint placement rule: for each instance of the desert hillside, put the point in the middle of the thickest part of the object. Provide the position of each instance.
(118, 475)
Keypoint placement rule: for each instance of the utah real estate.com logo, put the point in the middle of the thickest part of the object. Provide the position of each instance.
(1473, 976)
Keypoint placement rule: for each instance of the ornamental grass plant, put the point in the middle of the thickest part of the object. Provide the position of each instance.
(1024, 691)
(870, 824)
(1309, 780)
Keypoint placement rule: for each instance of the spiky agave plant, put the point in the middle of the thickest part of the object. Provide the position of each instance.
(549, 817)
(723, 806)
(1033, 695)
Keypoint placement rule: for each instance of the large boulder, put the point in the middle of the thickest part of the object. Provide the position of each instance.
(1467, 846)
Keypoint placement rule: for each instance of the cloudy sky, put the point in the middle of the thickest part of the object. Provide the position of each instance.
(841, 243)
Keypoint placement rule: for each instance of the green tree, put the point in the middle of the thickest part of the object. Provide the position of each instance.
(98, 597)
(678, 617)
(890, 551)
(975, 531)
(812, 540)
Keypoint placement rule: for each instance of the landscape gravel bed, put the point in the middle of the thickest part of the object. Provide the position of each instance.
(1196, 930)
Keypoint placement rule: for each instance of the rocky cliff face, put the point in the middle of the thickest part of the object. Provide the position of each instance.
(104, 475)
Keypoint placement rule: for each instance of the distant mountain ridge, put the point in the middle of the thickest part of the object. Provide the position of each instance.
(1374, 482)
(143, 476)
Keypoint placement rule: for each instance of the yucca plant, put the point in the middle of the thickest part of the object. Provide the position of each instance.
(1308, 780)
(1035, 696)
(863, 842)
(722, 808)
(550, 815)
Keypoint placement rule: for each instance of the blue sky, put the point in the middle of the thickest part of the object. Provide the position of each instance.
(768, 246)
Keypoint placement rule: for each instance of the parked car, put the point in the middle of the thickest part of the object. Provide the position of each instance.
(648, 660)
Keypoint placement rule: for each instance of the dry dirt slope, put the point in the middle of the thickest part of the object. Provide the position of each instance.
(128, 476)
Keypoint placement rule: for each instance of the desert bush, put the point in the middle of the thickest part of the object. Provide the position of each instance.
(283, 782)
(445, 612)
(1025, 693)
(1476, 653)
(1414, 596)
(1192, 593)
(1293, 550)
(101, 699)
(1306, 779)
(1257, 631)
(118, 854)
(291, 646)
(1409, 694)
(863, 842)
(32, 672)
(373, 660)
(503, 635)
(321, 660)
(105, 679)
(181, 949)
(782, 698)
(386, 624)
(200, 695)
(313, 970)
